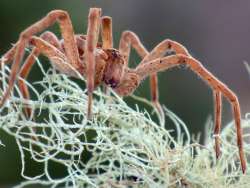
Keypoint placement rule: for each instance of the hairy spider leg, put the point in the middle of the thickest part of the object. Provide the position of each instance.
(31, 59)
(106, 32)
(107, 38)
(159, 51)
(91, 43)
(217, 121)
(162, 64)
(71, 51)
(129, 39)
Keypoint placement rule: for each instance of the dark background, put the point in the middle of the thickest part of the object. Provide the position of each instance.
(215, 32)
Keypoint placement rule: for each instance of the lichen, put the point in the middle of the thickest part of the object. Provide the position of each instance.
(120, 147)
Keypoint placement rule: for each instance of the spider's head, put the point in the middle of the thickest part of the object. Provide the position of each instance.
(114, 70)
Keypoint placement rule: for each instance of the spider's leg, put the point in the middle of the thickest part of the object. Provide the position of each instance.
(52, 39)
(91, 43)
(71, 51)
(107, 38)
(168, 62)
(31, 59)
(159, 51)
(9, 55)
(129, 39)
(25, 69)
(163, 47)
(106, 32)
(217, 121)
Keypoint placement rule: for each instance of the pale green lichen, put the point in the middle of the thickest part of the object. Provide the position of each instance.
(120, 147)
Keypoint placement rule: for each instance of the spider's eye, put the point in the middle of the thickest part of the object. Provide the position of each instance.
(111, 82)
(170, 52)
(114, 54)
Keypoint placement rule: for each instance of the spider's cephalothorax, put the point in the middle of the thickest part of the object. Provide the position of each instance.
(100, 63)
(114, 69)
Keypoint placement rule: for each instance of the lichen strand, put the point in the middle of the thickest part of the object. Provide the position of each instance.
(120, 147)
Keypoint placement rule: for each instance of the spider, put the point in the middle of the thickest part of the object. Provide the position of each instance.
(100, 63)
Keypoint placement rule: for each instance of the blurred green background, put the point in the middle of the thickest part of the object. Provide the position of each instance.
(215, 32)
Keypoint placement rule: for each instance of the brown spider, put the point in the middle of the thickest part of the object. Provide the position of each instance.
(101, 63)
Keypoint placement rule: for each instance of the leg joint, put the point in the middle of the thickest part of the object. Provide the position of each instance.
(183, 60)
(168, 43)
(233, 98)
(128, 35)
(95, 13)
(60, 14)
(24, 35)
